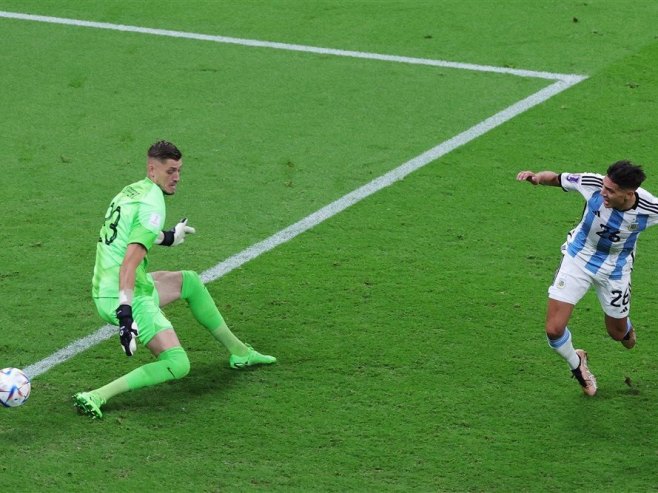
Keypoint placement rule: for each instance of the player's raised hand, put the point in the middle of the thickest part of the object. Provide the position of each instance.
(128, 330)
(528, 176)
(180, 230)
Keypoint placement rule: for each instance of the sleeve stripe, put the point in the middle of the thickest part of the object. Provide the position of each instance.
(592, 181)
(647, 206)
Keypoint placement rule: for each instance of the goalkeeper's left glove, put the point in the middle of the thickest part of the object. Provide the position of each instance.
(176, 235)
(128, 330)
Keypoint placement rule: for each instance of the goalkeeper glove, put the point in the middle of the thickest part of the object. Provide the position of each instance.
(128, 330)
(176, 235)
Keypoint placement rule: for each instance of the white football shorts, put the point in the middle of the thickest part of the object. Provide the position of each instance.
(572, 281)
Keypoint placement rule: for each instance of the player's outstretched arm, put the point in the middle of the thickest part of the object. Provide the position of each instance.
(549, 178)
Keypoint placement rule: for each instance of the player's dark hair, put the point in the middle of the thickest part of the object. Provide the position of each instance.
(626, 174)
(163, 150)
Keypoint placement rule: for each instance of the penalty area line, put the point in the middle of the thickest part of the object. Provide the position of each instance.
(326, 212)
(291, 47)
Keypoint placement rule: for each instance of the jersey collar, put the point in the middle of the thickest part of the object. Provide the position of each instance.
(635, 204)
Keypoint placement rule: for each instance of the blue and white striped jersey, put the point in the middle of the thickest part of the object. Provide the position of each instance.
(605, 239)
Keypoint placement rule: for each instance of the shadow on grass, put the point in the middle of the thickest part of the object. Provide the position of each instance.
(204, 383)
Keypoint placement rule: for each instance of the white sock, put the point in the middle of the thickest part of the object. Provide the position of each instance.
(564, 348)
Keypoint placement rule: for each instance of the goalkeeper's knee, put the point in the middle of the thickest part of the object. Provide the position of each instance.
(176, 360)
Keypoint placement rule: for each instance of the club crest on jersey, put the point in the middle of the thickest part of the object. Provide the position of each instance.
(573, 178)
(633, 226)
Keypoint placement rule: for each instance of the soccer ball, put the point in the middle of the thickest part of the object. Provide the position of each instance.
(14, 387)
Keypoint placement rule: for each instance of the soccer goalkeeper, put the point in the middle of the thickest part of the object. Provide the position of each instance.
(129, 297)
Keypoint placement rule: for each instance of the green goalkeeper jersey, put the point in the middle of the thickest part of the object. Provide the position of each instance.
(135, 215)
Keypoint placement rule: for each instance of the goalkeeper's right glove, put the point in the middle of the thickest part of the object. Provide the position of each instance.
(176, 235)
(128, 330)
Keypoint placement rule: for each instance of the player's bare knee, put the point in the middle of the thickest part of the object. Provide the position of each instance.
(168, 285)
(554, 331)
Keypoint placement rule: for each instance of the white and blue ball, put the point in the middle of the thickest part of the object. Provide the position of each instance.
(15, 387)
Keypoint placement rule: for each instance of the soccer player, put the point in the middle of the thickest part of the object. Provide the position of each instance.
(127, 296)
(598, 252)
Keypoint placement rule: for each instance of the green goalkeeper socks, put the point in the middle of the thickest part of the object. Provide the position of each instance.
(201, 303)
(206, 313)
(171, 364)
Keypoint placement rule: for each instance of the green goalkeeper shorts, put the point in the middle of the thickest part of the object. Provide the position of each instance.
(146, 313)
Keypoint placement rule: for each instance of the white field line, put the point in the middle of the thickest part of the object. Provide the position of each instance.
(563, 82)
(288, 47)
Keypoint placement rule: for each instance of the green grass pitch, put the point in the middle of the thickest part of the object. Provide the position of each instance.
(409, 327)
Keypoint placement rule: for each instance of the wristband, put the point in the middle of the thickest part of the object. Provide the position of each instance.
(168, 238)
(125, 297)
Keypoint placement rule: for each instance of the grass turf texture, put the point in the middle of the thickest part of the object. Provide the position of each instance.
(408, 329)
